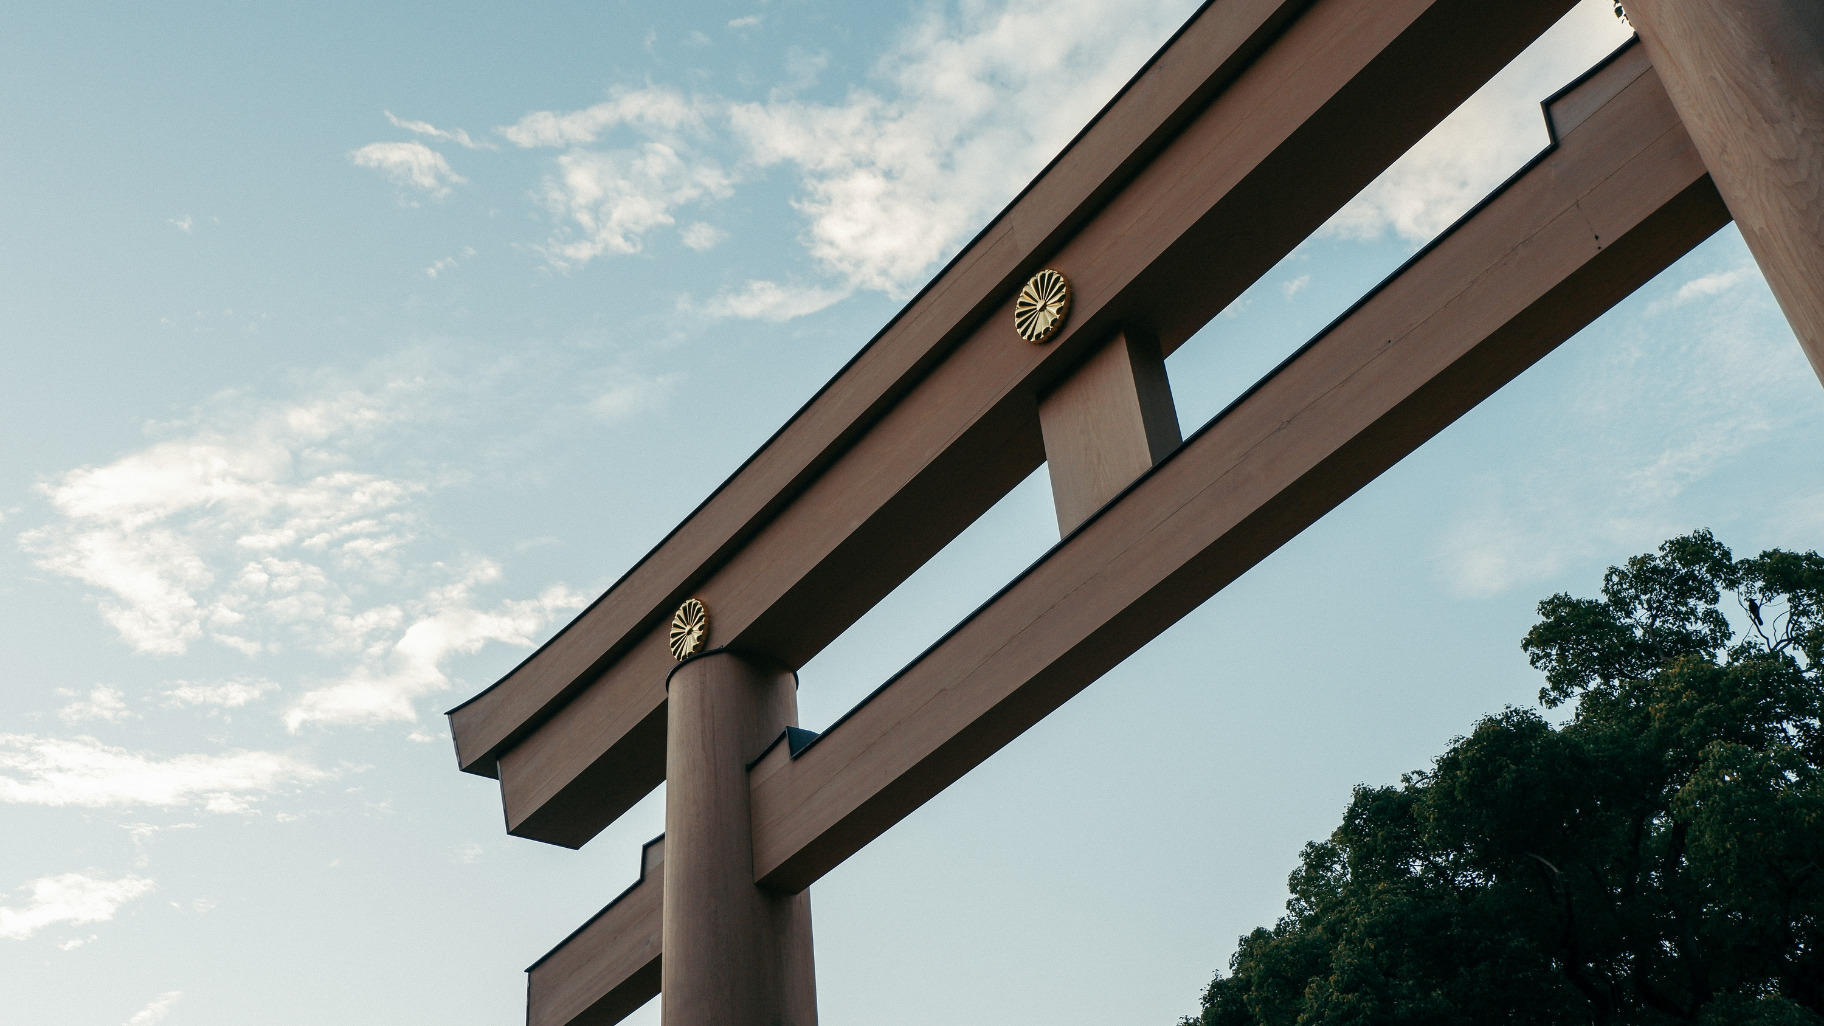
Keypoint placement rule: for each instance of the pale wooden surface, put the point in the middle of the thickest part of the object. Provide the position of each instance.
(1106, 424)
(610, 967)
(1622, 198)
(1747, 77)
(1311, 120)
(734, 955)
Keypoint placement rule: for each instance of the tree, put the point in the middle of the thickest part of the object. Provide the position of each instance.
(1657, 858)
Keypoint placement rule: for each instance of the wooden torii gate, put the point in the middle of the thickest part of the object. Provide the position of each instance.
(1249, 129)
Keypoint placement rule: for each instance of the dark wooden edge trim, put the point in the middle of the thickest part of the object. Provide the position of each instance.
(795, 739)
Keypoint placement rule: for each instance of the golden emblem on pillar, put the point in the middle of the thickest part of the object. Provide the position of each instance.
(1043, 302)
(689, 629)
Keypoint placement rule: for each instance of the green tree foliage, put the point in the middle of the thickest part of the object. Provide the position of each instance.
(1655, 859)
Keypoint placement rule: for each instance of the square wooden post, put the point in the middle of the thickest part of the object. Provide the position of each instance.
(1747, 79)
(1106, 424)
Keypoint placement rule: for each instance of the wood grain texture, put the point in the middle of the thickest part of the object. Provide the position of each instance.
(1747, 77)
(1333, 99)
(1622, 196)
(1106, 424)
(734, 955)
(610, 966)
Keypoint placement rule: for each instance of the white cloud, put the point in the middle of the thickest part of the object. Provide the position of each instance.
(102, 703)
(256, 527)
(444, 264)
(229, 533)
(183, 224)
(156, 1010)
(1296, 285)
(229, 695)
(630, 396)
(771, 301)
(892, 179)
(608, 201)
(392, 676)
(1713, 284)
(84, 773)
(968, 109)
(425, 128)
(1483, 142)
(702, 237)
(69, 898)
(748, 21)
(651, 108)
(409, 164)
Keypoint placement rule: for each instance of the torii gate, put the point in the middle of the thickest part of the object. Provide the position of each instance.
(1254, 124)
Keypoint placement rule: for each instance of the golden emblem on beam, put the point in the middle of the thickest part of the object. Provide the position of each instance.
(689, 628)
(1043, 302)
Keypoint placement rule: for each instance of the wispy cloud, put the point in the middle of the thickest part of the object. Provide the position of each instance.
(101, 703)
(227, 695)
(1713, 284)
(702, 237)
(771, 301)
(390, 678)
(653, 108)
(444, 265)
(230, 532)
(69, 898)
(608, 201)
(964, 109)
(264, 527)
(1484, 141)
(630, 395)
(142, 834)
(425, 128)
(1653, 415)
(155, 1010)
(409, 165)
(82, 772)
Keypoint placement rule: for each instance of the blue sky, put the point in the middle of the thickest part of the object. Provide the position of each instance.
(349, 350)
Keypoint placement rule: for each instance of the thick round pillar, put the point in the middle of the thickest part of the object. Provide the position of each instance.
(1747, 79)
(734, 955)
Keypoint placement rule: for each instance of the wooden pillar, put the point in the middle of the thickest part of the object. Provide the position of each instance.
(1106, 424)
(735, 955)
(1747, 79)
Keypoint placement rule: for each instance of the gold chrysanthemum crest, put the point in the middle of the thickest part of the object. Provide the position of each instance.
(1043, 302)
(689, 629)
